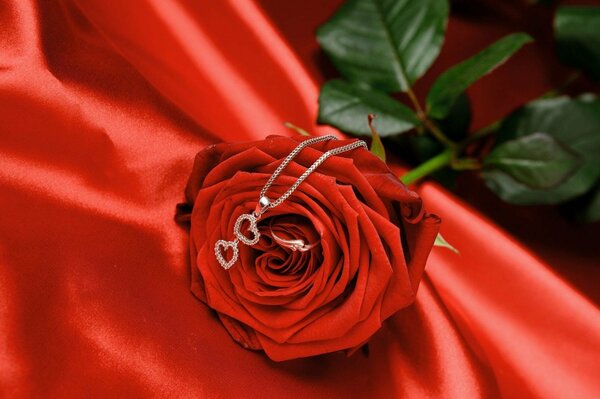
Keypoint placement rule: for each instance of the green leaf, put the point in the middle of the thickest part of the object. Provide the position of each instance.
(386, 44)
(536, 160)
(575, 123)
(298, 129)
(376, 144)
(347, 107)
(441, 242)
(577, 34)
(452, 83)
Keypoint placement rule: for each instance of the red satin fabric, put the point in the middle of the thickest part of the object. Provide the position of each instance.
(102, 108)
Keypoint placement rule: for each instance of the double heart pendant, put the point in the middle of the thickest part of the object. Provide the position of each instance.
(222, 246)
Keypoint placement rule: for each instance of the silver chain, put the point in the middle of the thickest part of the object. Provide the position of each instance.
(265, 203)
(312, 168)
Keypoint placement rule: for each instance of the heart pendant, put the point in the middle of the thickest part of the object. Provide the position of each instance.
(220, 247)
(251, 228)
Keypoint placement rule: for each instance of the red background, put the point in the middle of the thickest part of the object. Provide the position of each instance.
(102, 108)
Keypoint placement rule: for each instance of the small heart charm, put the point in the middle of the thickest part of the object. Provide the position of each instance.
(220, 247)
(252, 228)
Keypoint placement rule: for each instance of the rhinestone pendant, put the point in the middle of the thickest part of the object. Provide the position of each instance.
(220, 247)
(252, 229)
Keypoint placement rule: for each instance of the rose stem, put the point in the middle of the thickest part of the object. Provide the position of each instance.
(428, 167)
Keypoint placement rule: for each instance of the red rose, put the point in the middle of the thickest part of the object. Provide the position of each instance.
(371, 233)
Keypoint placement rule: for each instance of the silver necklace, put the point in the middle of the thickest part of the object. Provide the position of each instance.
(265, 203)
